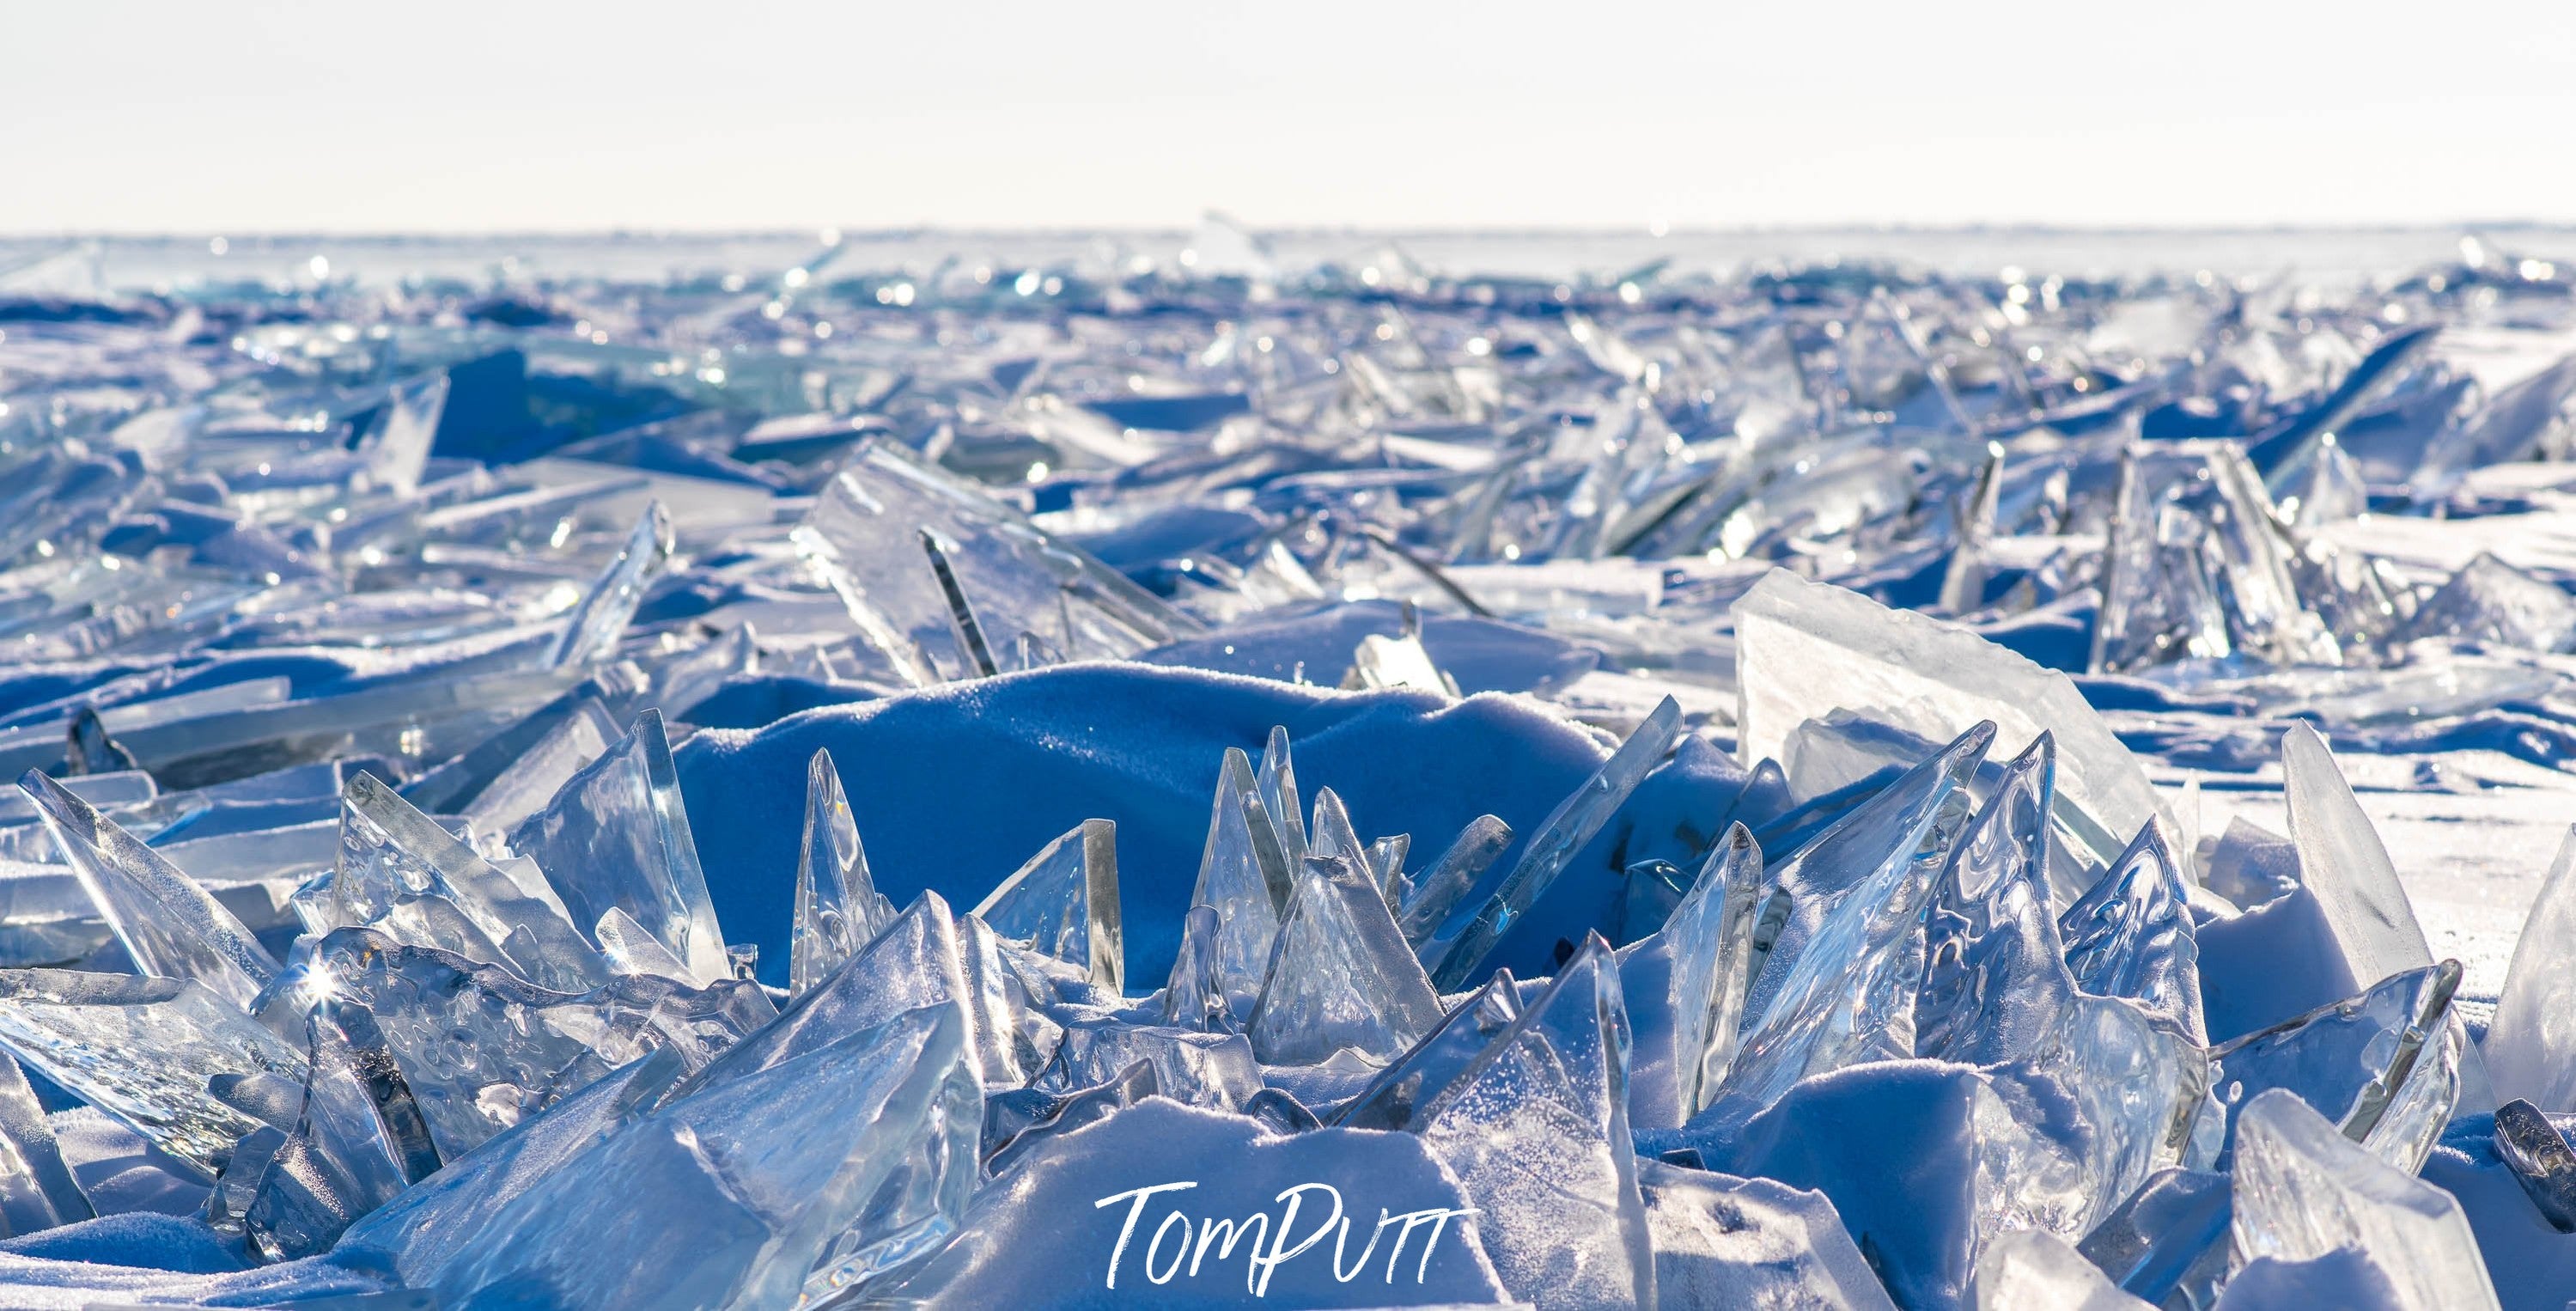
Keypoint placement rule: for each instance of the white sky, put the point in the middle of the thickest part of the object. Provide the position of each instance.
(199, 118)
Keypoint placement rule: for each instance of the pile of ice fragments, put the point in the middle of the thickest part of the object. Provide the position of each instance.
(1184, 782)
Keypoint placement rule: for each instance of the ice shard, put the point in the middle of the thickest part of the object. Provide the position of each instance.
(861, 537)
(2492, 602)
(2034, 1271)
(600, 618)
(618, 835)
(838, 907)
(1451, 877)
(1554, 843)
(481, 1049)
(1202, 1069)
(1709, 938)
(171, 926)
(1194, 997)
(1238, 880)
(338, 1163)
(1275, 779)
(1340, 975)
(2132, 935)
(2352, 1061)
(2534, 1145)
(532, 780)
(627, 949)
(1995, 979)
(397, 452)
(1804, 649)
(89, 750)
(1848, 961)
(1064, 903)
(2530, 1046)
(36, 1189)
(396, 864)
(1391, 1099)
(2303, 1190)
(1536, 1131)
(143, 1050)
(723, 1199)
(2343, 863)
(2168, 1240)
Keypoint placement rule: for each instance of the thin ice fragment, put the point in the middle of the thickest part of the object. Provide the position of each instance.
(171, 926)
(1805, 649)
(962, 623)
(2132, 936)
(1709, 937)
(143, 1050)
(1995, 980)
(2035, 1271)
(627, 949)
(1340, 975)
(1553, 845)
(2530, 1046)
(602, 614)
(2303, 1190)
(2352, 1061)
(1536, 1130)
(838, 907)
(1236, 880)
(1451, 877)
(1276, 781)
(36, 1188)
(1194, 997)
(1391, 1099)
(90, 750)
(618, 835)
(338, 1163)
(2535, 1146)
(1064, 903)
(397, 864)
(1202, 1069)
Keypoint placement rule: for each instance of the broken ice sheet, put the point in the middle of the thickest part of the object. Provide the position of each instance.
(1805, 649)
(1721, 1241)
(172, 927)
(618, 835)
(2303, 1190)
(37, 1191)
(397, 866)
(2352, 1061)
(1064, 903)
(143, 1050)
(1536, 1130)
(2492, 602)
(1340, 975)
(2034, 1271)
(860, 536)
(722, 1198)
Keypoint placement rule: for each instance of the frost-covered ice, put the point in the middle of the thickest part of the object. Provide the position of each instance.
(1104, 780)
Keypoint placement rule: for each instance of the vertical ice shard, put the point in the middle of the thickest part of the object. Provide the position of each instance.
(1064, 903)
(1451, 877)
(394, 860)
(1276, 781)
(89, 750)
(2342, 862)
(338, 1164)
(2353, 1061)
(1849, 958)
(862, 537)
(2034, 1271)
(1391, 1099)
(1194, 997)
(838, 907)
(1554, 843)
(173, 928)
(1536, 1130)
(2531, 1044)
(36, 1188)
(2303, 1190)
(398, 450)
(1963, 582)
(1340, 975)
(2131, 935)
(962, 623)
(1333, 835)
(143, 1050)
(618, 835)
(1386, 858)
(722, 1199)
(1994, 973)
(600, 618)
(1237, 880)
(1804, 649)
(2532, 1144)
(1710, 938)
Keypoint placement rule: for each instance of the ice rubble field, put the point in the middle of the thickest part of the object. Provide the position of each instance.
(1120, 780)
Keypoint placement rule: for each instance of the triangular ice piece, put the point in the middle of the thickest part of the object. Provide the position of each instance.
(1276, 780)
(173, 928)
(1340, 975)
(618, 835)
(1994, 977)
(1390, 1100)
(838, 908)
(1709, 938)
(2530, 1046)
(394, 858)
(600, 618)
(1236, 879)
(2132, 935)
(1064, 903)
